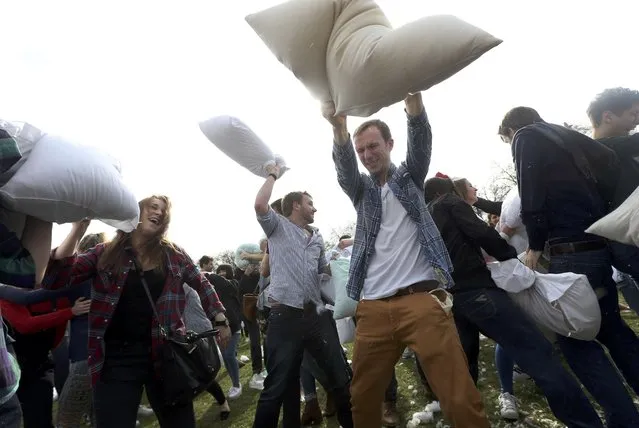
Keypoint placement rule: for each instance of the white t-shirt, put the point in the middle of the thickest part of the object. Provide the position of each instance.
(398, 260)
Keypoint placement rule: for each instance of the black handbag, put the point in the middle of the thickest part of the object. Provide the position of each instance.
(188, 363)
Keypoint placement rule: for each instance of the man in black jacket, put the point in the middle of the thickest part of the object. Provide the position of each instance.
(566, 182)
(614, 114)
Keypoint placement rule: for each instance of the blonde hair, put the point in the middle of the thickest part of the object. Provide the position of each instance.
(461, 186)
(91, 241)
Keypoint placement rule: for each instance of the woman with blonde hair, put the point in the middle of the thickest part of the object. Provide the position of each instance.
(124, 338)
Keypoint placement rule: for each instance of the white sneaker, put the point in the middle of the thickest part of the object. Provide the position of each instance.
(55, 395)
(144, 411)
(257, 382)
(244, 359)
(234, 393)
(508, 407)
(137, 423)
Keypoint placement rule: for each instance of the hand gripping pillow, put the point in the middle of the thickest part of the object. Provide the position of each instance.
(63, 182)
(621, 225)
(344, 305)
(241, 144)
(247, 248)
(368, 64)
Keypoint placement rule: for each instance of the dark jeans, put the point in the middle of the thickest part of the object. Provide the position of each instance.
(61, 362)
(491, 312)
(290, 332)
(36, 398)
(311, 370)
(117, 395)
(588, 360)
(10, 413)
(256, 344)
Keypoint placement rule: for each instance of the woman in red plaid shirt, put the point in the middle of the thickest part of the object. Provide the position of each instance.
(124, 336)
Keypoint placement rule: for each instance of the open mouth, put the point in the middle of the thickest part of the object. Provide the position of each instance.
(155, 221)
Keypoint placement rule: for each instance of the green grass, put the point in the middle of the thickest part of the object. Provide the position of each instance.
(533, 408)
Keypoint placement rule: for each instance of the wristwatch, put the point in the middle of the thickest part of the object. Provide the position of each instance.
(224, 323)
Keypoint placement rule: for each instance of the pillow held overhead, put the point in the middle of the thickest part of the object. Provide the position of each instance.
(368, 65)
(240, 143)
(63, 182)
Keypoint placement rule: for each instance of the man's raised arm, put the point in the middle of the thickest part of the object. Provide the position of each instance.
(344, 157)
(420, 138)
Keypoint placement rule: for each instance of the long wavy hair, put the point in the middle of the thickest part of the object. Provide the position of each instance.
(154, 248)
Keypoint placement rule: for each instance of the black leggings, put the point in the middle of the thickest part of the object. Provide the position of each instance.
(216, 391)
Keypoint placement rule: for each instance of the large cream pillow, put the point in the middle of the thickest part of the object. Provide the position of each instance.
(368, 64)
(621, 225)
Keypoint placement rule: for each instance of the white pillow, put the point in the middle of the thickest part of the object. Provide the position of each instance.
(63, 182)
(621, 225)
(367, 64)
(241, 144)
(25, 136)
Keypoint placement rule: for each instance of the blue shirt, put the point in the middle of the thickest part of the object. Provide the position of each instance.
(407, 184)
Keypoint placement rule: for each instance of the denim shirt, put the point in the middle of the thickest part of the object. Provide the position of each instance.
(296, 261)
(407, 184)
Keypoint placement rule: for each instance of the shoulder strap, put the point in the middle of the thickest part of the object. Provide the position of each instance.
(138, 268)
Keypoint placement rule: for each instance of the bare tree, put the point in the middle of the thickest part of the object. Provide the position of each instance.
(347, 229)
(500, 183)
(584, 129)
(226, 257)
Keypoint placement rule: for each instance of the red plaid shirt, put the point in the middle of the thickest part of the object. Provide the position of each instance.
(107, 288)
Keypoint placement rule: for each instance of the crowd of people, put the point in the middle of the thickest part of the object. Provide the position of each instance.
(80, 324)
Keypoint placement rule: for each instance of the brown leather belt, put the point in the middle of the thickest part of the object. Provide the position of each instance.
(576, 247)
(418, 287)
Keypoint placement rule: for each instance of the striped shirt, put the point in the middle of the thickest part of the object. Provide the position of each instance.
(407, 184)
(296, 261)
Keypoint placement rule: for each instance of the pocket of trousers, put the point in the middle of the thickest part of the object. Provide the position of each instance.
(443, 298)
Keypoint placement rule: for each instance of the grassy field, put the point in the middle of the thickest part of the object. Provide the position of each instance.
(533, 408)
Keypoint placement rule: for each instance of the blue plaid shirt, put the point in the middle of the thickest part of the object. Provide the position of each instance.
(407, 184)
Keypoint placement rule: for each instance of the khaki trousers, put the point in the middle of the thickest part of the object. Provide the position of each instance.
(384, 328)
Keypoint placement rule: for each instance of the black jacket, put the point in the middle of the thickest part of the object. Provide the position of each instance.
(627, 150)
(228, 294)
(465, 235)
(566, 182)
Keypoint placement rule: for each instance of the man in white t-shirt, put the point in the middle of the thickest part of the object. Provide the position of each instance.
(399, 270)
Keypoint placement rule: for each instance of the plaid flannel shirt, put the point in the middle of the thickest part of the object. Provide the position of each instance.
(107, 288)
(407, 184)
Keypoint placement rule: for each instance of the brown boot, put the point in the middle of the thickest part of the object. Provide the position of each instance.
(312, 413)
(390, 418)
(329, 409)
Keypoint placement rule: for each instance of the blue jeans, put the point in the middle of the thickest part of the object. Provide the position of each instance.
(490, 311)
(588, 359)
(290, 332)
(230, 359)
(504, 365)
